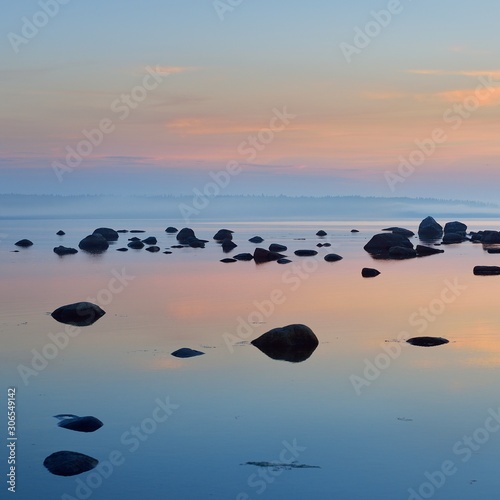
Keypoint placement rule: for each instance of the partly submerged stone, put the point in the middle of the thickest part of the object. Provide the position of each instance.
(430, 229)
(294, 343)
(24, 243)
(94, 243)
(423, 250)
(305, 253)
(60, 233)
(108, 233)
(400, 230)
(321, 233)
(151, 240)
(69, 463)
(381, 243)
(427, 341)
(256, 239)
(332, 257)
(79, 424)
(223, 234)
(228, 260)
(62, 250)
(78, 314)
(277, 247)
(261, 255)
(243, 256)
(228, 245)
(186, 352)
(368, 272)
(486, 270)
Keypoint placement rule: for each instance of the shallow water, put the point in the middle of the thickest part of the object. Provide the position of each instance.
(377, 416)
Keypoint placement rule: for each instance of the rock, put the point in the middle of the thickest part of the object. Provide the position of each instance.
(179, 246)
(134, 238)
(486, 270)
(78, 314)
(79, 424)
(185, 352)
(427, 341)
(243, 256)
(276, 247)
(283, 261)
(430, 229)
(171, 230)
(137, 231)
(294, 343)
(368, 272)
(354, 231)
(106, 232)
(455, 227)
(319, 245)
(261, 255)
(122, 230)
(153, 249)
(167, 252)
(327, 244)
(223, 234)
(493, 250)
(69, 463)
(136, 245)
(228, 260)
(400, 230)
(423, 251)
(184, 234)
(194, 242)
(151, 240)
(305, 253)
(450, 238)
(321, 233)
(60, 250)
(228, 245)
(333, 257)
(60, 233)
(94, 243)
(381, 243)
(256, 239)
(122, 249)
(490, 237)
(402, 253)
(23, 243)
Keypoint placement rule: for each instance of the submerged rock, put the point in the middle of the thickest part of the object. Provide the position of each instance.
(153, 249)
(136, 245)
(333, 257)
(423, 251)
(108, 233)
(78, 314)
(171, 230)
(23, 243)
(228, 245)
(400, 230)
(321, 233)
(61, 250)
(243, 256)
(223, 234)
(368, 272)
(305, 253)
(256, 239)
(94, 243)
(228, 260)
(69, 463)
(60, 233)
(186, 352)
(283, 261)
(450, 238)
(402, 253)
(137, 231)
(122, 249)
(151, 240)
(262, 255)
(354, 231)
(430, 229)
(276, 247)
(294, 343)
(381, 243)
(455, 227)
(79, 424)
(486, 270)
(184, 234)
(427, 341)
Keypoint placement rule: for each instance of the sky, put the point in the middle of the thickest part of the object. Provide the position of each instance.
(373, 97)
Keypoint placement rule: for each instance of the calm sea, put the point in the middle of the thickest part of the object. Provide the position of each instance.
(371, 416)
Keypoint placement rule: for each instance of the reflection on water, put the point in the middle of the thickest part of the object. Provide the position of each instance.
(375, 420)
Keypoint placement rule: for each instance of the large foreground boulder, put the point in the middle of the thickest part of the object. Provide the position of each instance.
(94, 243)
(429, 229)
(294, 343)
(79, 424)
(69, 463)
(78, 314)
(108, 233)
(380, 244)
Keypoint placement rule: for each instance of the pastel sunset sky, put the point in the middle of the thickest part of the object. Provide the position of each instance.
(183, 87)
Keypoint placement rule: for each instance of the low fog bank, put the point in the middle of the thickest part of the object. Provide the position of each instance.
(242, 208)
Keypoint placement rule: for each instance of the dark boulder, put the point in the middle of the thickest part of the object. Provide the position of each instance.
(283, 261)
(69, 463)
(78, 314)
(79, 424)
(60, 233)
(423, 251)
(243, 256)
(153, 249)
(402, 253)
(327, 244)
(305, 253)
(368, 272)
(223, 234)
(122, 230)
(455, 227)
(136, 245)
(23, 243)
(186, 352)
(450, 238)
(276, 247)
(134, 238)
(106, 232)
(184, 234)
(490, 237)
(171, 230)
(354, 231)
(427, 341)
(94, 243)
(262, 255)
(381, 243)
(228, 245)
(256, 239)
(429, 229)
(122, 249)
(137, 231)
(321, 233)
(61, 250)
(319, 245)
(333, 257)
(294, 343)
(167, 252)
(400, 230)
(486, 270)
(194, 242)
(151, 240)
(228, 260)
(493, 250)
